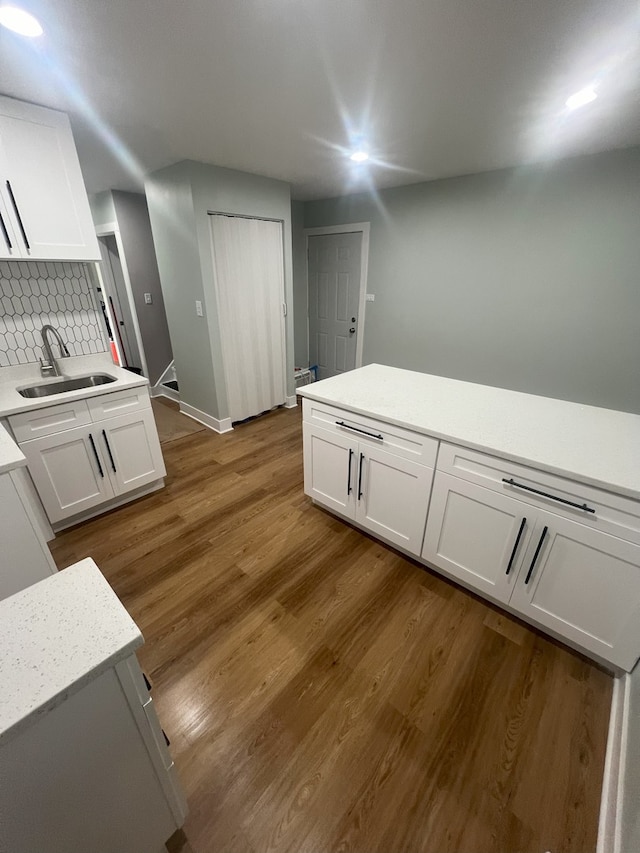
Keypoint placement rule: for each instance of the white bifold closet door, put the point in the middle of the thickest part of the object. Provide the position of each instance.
(249, 277)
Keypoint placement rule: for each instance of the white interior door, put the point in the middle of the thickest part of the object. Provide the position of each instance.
(334, 292)
(249, 273)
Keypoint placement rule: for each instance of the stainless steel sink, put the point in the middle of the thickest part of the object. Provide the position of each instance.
(48, 389)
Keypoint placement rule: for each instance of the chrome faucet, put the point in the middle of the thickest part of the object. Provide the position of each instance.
(50, 366)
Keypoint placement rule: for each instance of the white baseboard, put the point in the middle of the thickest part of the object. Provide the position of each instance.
(609, 840)
(291, 402)
(163, 391)
(216, 425)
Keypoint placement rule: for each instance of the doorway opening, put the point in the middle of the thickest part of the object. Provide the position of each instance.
(119, 306)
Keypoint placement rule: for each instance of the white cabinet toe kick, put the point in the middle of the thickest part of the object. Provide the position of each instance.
(560, 554)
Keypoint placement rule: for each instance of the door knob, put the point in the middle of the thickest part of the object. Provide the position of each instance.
(352, 330)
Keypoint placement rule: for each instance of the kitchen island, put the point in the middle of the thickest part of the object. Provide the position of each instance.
(530, 501)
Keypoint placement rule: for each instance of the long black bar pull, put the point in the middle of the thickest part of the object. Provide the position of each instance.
(515, 547)
(512, 482)
(349, 489)
(17, 213)
(535, 556)
(377, 437)
(7, 239)
(106, 441)
(360, 476)
(95, 453)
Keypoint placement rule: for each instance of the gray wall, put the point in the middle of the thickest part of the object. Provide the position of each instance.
(102, 210)
(300, 290)
(524, 279)
(132, 217)
(173, 224)
(180, 199)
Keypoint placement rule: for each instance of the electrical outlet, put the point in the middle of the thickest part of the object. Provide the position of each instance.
(199, 308)
(147, 299)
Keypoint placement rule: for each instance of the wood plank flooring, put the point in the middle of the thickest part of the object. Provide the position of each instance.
(322, 692)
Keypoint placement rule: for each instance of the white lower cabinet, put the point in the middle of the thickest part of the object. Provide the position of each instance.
(134, 458)
(563, 555)
(26, 559)
(67, 472)
(476, 535)
(578, 582)
(91, 775)
(76, 470)
(583, 585)
(382, 492)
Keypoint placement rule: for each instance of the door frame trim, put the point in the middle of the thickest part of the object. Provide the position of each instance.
(111, 229)
(364, 228)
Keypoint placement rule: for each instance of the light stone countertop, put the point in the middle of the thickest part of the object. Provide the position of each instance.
(600, 447)
(12, 378)
(55, 637)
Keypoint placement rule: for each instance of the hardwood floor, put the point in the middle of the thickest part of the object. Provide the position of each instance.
(322, 692)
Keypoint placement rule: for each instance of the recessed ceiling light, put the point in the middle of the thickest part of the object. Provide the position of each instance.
(359, 156)
(19, 21)
(581, 98)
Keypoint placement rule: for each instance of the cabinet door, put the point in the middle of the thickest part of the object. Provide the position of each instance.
(46, 200)
(9, 246)
(68, 472)
(330, 469)
(131, 449)
(477, 535)
(585, 586)
(392, 497)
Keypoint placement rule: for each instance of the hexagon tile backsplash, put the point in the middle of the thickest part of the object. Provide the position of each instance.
(33, 293)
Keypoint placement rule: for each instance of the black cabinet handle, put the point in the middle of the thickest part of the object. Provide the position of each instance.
(360, 476)
(349, 489)
(361, 431)
(17, 213)
(106, 441)
(512, 482)
(515, 547)
(535, 556)
(7, 239)
(95, 453)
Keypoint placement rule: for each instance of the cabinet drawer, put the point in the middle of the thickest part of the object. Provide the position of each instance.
(613, 514)
(158, 734)
(118, 403)
(394, 439)
(29, 425)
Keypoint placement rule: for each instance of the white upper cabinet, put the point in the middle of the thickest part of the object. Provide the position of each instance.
(43, 202)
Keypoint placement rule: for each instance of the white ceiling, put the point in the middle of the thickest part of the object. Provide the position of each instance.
(276, 87)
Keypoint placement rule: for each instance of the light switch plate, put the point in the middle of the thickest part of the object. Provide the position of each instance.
(147, 298)
(199, 308)
(370, 297)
